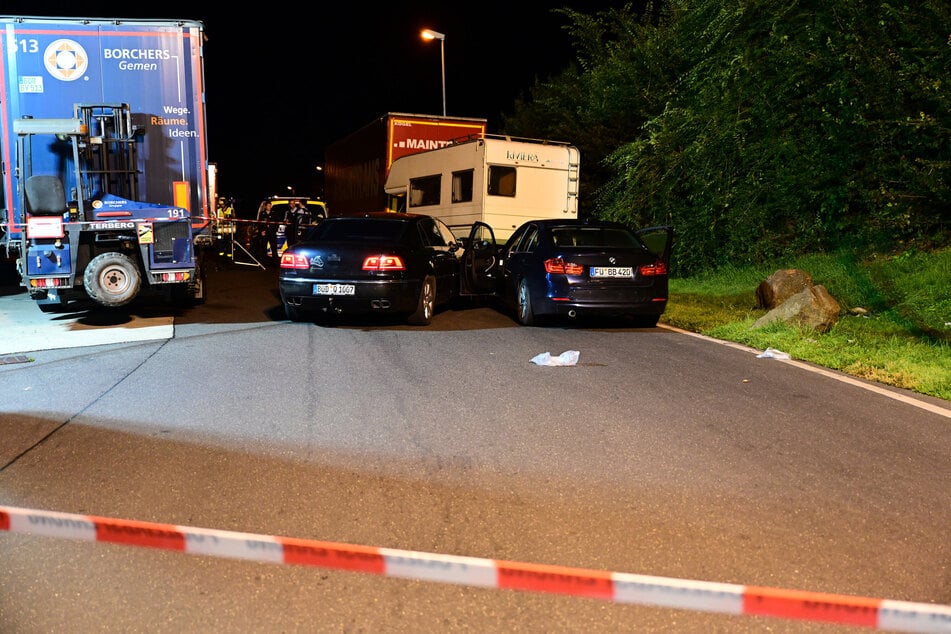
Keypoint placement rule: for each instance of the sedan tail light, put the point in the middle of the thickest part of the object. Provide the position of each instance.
(384, 263)
(294, 261)
(657, 268)
(558, 265)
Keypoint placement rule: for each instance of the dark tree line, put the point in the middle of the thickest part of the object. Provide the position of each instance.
(759, 128)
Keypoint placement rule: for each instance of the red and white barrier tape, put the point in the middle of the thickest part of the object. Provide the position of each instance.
(619, 587)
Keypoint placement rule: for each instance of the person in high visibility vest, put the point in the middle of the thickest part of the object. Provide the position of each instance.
(224, 211)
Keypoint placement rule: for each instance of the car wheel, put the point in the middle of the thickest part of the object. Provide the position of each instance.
(523, 305)
(112, 279)
(427, 303)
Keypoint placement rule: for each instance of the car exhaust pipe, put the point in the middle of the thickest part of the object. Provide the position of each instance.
(572, 313)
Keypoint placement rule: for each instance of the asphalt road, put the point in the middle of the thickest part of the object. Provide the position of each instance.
(659, 453)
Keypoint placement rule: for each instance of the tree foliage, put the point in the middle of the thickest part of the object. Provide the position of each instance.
(759, 128)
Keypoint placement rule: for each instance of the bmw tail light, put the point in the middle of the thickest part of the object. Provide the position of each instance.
(384, 262)
(558, 265)
(657, 268)
(294, 261)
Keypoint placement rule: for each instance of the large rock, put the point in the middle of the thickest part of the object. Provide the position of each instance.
(812, 307)
(780, 286)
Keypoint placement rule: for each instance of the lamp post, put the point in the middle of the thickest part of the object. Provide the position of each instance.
(429, 34)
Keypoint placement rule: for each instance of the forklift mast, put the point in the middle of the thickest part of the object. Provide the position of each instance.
(97, 149)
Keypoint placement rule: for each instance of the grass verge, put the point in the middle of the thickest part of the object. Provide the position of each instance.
(895, 325)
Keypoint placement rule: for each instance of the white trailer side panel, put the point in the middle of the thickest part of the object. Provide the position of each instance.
(545, 182)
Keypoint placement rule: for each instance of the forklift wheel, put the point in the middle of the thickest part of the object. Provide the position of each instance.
(112, 279)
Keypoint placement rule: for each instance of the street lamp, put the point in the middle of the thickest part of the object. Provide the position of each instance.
(428, 34)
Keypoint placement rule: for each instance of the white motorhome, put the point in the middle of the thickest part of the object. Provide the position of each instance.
(501, 181)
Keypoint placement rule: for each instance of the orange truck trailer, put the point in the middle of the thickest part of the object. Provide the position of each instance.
(356, 166)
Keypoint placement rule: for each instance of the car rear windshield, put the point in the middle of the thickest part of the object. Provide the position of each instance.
(359, 230)
(593, 237)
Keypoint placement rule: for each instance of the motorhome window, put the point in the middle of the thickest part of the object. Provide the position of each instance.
(462, 186)
(424, 191)
(501, 180)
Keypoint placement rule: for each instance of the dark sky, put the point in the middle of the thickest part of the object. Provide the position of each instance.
(282, 85)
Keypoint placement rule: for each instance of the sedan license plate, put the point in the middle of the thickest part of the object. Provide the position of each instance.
(334, 289)
(611, 271)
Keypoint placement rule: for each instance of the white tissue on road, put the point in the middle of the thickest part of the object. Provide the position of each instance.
(771, 353)
(568, 357)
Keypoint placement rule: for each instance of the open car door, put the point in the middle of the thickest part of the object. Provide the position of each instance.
(659, 240)
(480, 262)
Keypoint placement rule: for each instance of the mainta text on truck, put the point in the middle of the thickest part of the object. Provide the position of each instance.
(356, 166)
(105, 179)
(498, 180)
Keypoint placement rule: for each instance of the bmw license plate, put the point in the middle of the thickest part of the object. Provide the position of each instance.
(334, 289)
(611, 271)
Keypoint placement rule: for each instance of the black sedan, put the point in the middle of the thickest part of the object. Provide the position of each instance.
(382, 263)
(575, 268)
